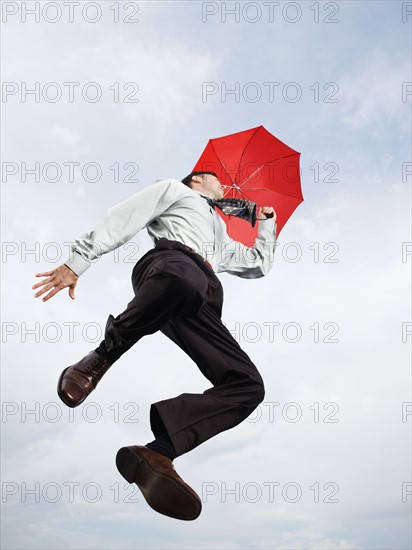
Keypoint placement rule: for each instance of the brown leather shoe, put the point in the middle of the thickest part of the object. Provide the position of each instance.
(79, 380)
(154, 474)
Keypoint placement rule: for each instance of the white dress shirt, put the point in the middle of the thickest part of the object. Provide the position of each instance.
(170, 209)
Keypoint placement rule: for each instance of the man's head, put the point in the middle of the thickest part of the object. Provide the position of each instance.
(205, 182)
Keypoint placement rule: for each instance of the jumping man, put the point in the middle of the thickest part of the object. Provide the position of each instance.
(176, 291)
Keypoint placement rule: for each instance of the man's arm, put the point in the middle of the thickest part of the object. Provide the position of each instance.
(250, 262)
(122, 222)
(119, 225)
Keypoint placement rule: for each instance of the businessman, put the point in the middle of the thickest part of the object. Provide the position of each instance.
(176, 291)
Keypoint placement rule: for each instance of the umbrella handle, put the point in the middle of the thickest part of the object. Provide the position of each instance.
(270, 215)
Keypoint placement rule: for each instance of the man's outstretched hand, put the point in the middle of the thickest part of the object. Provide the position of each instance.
(57, 280)
(263, 210)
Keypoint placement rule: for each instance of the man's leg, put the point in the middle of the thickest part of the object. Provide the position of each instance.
(167, 284)
(190, 419)
(181, 423)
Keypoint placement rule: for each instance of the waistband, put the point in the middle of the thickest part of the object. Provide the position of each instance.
(166, 244)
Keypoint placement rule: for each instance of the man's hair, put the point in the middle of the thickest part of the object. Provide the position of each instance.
(187, 180)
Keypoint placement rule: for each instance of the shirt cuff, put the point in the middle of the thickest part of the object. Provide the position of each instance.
(268, 225)
(77, 263)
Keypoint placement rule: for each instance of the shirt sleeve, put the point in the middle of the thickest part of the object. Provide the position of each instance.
(250, 262)
(122, 221)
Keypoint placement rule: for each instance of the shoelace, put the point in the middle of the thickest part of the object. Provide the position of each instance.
(96, 370)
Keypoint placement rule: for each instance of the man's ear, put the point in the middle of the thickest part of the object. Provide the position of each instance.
(197, 179)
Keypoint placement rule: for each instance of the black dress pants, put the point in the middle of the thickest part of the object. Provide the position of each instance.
(177, 293)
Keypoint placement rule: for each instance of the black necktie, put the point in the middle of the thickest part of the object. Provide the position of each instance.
(246, 210)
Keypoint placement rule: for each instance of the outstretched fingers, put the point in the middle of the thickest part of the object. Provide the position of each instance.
(51, 294)
(45, 281)
(45, 273)
(45, 289)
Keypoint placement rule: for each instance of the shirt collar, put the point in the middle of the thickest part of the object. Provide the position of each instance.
(200, 193)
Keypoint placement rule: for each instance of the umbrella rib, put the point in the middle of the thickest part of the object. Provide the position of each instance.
(244, 195)
(255, 188)
(244, 149)
(217, 156)
(236, 189)
(265, 164)
(239, 189)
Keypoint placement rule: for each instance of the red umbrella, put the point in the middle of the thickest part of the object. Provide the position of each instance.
(257, 166)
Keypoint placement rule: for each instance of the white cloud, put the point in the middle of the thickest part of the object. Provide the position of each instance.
(66, 135)
(372, 94)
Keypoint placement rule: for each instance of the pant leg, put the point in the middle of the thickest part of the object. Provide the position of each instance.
(167, 285)
(190, 419)
(180, 296)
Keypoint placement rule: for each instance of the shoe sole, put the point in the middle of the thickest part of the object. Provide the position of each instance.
(162, 493)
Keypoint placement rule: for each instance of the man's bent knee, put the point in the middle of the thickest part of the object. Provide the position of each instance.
(258, 394)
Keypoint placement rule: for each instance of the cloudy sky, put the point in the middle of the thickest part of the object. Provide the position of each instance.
(324, 462)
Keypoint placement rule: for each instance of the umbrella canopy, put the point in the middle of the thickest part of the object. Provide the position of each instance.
(254, 165)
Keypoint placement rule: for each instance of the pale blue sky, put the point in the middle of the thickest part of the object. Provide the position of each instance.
(366, 216)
